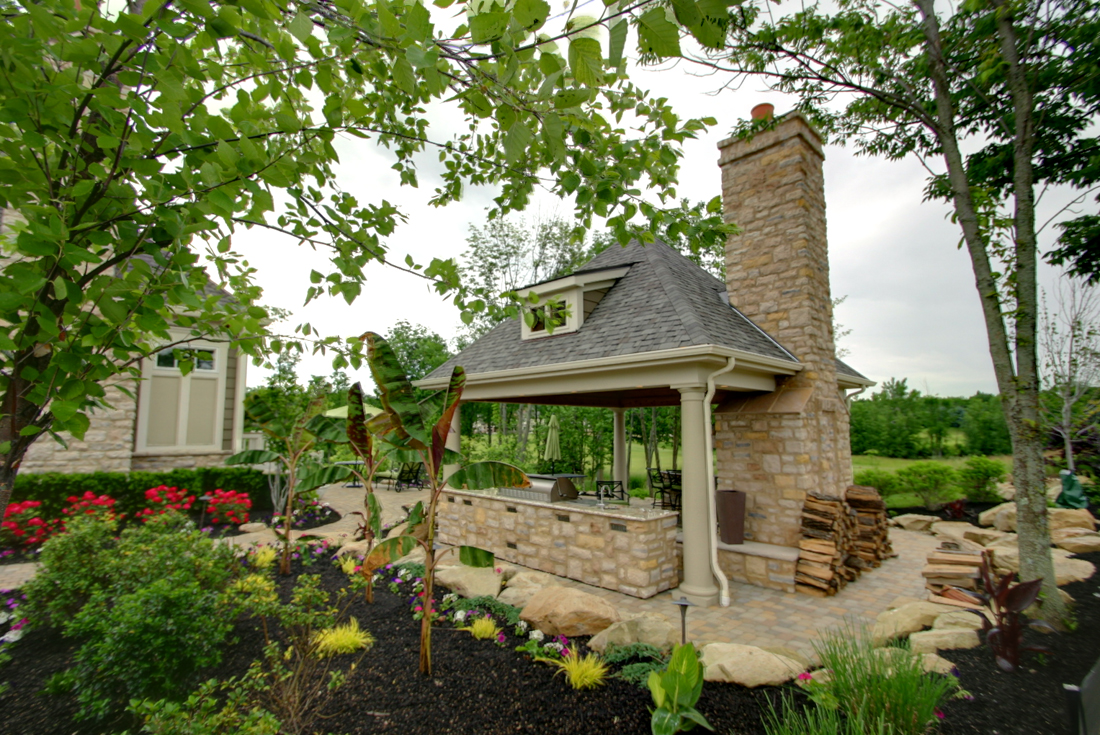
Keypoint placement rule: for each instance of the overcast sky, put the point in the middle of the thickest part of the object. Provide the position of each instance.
(911, 304)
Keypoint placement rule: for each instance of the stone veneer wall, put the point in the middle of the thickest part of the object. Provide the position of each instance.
(762, 571)
(107, 446)
(795, 441)
(163, 462)
(636, 557)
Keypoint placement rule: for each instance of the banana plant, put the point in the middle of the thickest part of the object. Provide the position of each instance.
(300, 436)
(403, 425)
(370, 453)
(675, 692)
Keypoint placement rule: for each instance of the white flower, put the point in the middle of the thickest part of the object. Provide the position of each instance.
(521, 626)
(536, 635)
(555, 645)
(5, 616)
(12, 636)
(460, 616)
(450, 597)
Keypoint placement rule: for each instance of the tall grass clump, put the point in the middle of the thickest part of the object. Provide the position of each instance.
(887, 687)
(814, 720)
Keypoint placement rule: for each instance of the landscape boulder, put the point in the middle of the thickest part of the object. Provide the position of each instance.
(902, 621)
(1066, 569)
(467, 581)
(748, 666)
(989, 517)
(566, 611)
(1076, 540)
(652, 628)
(1059, 518)
(945, 639)
(914, 521)
(961, 619)
(252, 527)
(522, 587)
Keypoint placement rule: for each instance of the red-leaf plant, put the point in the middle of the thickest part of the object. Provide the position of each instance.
(1006, 602)
(402, 425)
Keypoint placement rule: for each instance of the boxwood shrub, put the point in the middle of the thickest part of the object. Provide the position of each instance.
(128, 488)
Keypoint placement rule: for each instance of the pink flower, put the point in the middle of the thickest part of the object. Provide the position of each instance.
(939, 714)
(805, 676)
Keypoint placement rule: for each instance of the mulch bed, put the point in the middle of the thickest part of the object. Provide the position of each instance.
(480, 687)
(970, 514)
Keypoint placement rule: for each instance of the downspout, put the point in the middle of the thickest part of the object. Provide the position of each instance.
(712, 509)
(848, 398)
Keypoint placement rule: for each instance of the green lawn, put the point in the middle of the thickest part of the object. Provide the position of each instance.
(892, 464)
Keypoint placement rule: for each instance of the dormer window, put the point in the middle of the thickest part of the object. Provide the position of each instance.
(561, 306)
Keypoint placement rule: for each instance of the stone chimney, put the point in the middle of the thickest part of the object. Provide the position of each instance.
(780, 446)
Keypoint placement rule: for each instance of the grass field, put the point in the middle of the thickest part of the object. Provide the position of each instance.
(892, 464)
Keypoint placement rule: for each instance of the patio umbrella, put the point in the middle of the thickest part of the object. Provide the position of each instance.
(553, 445)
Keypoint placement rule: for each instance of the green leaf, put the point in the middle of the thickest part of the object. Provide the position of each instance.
(357, 432)
(664, 722)
(253, 456)
(531, 14)
(418, 23)
(421, 58)
(404, 76)
(687, 12)
(488, 474)
(394, 548)
(617, 42)
(657, 36)
(586, 61)
(516, 141)
(655, 689)
(220, 28)
(488, 27)
(328, 428)
(472, 556)
(401, 417)
(300, 26)
(416, 515)
(553, 135)
(571, 97)
(375, 510)
(322, 475)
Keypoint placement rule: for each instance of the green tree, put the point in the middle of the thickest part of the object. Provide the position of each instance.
(418, 349)
(999, 97)
(136, 141)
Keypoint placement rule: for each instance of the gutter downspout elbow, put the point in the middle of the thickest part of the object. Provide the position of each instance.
(712, 510)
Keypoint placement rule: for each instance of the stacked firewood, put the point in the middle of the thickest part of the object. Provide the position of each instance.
(953, 575)
(829, 532)
(872, 543)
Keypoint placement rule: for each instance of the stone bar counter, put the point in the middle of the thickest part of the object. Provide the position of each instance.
(629, 550)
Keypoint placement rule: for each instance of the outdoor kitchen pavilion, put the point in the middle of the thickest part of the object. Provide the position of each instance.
(643, 326)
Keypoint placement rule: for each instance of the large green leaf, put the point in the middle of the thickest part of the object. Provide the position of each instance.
(321, 475)
(472, 556)
(443, 427)
(618, 42)
(531, 14)
(657, 35)
(264, 414)
(328, 428)
(488, 474)
(358, 435)
(655, 689)
(404, 422)
(416, 515)
(664, 722)
(253, 456)
(390, 551)
(375, 510)
(586, 61)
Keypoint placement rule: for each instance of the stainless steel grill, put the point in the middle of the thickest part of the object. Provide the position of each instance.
(545, 489)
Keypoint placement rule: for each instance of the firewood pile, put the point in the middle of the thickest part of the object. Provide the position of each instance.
(953, 575)
(840, 540)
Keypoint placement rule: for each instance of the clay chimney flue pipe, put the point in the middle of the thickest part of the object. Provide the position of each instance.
(763, 111)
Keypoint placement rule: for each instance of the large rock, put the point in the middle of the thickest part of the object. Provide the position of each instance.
(914, 521)
(748, 666)
(470, 581)
(930, 641)
(952, 529)
(907, 619)
(960, 619)
(1066, 569)
(1008, 541)
(255, 527)
(935, 664)
(569, 612)
(989, 517)
(523, 586)
(1059, 518)
(1082, 542)
(958, 542)
(652, 628)
(354, 548)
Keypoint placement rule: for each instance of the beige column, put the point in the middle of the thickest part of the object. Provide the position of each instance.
(619, 469)
(454, 441)
(698, 582)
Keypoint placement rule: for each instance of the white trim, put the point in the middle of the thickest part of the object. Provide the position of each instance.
(149, 369)
(238, 404)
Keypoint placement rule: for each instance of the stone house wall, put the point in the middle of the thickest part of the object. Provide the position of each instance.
(107, 446)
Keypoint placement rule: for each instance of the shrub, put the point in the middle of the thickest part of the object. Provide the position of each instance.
(90, 504)
(483, 629)
(884, 481)
(204, 713)
(979, 479)
(73, 568)
(819, 721)
(675, 692)
(638, 660)
(343, 638)
(229, 506)
(582, 673)
(891, 691)
(23, 525)
(263, 557)
(933, 482)
(163, 499)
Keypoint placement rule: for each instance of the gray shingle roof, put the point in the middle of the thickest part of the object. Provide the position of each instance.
(663, 302)
(843, 368)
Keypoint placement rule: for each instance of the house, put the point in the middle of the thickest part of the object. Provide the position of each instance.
(754, 357)
(171, 420)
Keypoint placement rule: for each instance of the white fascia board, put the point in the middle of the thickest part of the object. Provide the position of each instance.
(679, 355)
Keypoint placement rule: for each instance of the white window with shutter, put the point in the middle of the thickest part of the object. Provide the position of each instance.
(180, 413)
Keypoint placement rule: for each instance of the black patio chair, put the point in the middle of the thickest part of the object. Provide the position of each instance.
(659, 488)
(411, 475)
(675, 480)
(610, 489)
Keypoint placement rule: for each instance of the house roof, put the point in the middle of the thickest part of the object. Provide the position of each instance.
(663, 302)
(843, 368)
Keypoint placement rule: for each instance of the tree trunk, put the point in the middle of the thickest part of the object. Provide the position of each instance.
(654, 449)
(1067, 431)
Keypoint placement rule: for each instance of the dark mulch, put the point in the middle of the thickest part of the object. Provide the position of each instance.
(480, 687)
(1029, 701)
(970, 512)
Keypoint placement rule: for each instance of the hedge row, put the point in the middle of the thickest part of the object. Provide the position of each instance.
(128, 488)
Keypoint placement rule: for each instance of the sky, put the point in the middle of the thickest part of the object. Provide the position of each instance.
(911, 303)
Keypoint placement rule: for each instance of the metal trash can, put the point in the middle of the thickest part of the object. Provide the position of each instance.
(731, 516)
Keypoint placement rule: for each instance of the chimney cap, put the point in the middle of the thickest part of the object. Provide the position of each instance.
(763, 111)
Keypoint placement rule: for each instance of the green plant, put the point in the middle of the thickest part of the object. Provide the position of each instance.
(73, 567)
(819, 721)
(213, 709)
(343, 638)
(483, 629)
(582, 673)
(933, 482)
(892, 689)
(492, 606)
(884, 481)
(979, 478)
(637, 660)
(263, 557)
(675, 692)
